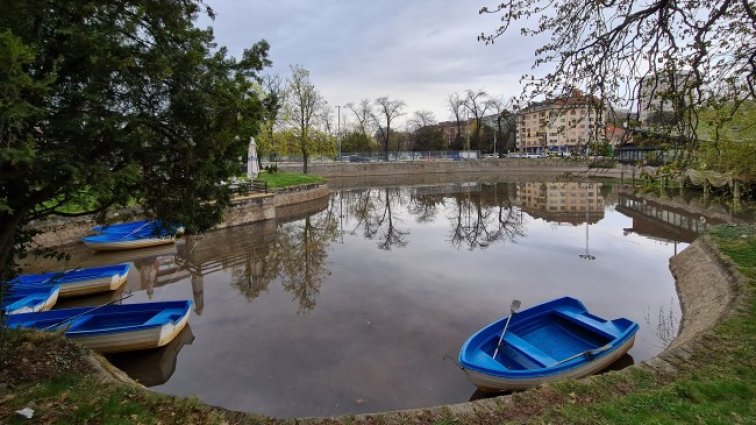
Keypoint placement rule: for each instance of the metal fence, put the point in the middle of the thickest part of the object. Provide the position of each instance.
(393, 156)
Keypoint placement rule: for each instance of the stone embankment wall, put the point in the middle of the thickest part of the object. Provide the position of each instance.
(245, 209)
(504, 165)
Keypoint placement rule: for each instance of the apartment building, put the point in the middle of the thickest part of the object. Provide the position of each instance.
(564, 125)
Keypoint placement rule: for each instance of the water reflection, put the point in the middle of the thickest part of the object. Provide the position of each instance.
(355, 293)
(302, 255)
(372, 210)
(155, 366)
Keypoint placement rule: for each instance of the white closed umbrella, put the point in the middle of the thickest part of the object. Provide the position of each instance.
(252, 167)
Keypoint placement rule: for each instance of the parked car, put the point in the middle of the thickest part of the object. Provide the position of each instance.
(533, 155)
(357, 158)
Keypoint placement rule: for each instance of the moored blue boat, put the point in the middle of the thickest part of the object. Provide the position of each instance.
(112, 328)
(29, 298)
(556, 340)
(153, 228)
(82, 281)
(122, 227)
(118, 241)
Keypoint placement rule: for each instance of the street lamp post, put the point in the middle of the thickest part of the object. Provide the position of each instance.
(338, 129)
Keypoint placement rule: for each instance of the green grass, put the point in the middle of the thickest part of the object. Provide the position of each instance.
(279, 180)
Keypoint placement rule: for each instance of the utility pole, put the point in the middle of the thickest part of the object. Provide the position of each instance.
(338, 128)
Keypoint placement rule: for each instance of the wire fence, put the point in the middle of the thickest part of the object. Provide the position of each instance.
(392, 156)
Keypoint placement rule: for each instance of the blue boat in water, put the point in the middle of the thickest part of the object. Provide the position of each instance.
(112, 328)
(29, 298)
(553, 341)
(82, 281)
(130, 235)
(124, 227)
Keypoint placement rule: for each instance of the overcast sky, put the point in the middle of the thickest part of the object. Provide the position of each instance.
(419, 51)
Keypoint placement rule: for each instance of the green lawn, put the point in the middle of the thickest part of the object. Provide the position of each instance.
(279, 180)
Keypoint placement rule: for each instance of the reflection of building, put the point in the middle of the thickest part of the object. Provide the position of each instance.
(659, 221)
(563, 202)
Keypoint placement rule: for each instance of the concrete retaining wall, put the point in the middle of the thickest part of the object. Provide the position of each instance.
(504, 165)
(247, 209)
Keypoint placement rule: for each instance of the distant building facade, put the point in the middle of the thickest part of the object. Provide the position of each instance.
(564, 125)
(660, 98)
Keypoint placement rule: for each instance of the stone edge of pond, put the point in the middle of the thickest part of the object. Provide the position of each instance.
(710, 288)
(244, 210)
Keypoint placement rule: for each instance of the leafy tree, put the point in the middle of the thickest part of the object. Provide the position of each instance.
(356, 141)
(111, 101)
(730, 132)
(616, 49)
(303, 104)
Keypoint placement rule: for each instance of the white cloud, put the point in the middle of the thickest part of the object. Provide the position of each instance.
(419, 51)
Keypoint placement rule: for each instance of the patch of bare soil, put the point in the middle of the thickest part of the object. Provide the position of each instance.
(28, 356)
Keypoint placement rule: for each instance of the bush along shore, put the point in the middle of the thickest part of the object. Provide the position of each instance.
(713, 383)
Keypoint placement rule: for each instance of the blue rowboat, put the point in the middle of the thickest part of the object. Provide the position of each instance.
(29, 298)
(119, 241)
(140, 228)
(122, 227)
(78, 282)
(112, 328)
(553, 341)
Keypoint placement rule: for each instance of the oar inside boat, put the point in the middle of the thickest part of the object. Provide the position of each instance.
(68, 319)
(515, 305)
(588, 354)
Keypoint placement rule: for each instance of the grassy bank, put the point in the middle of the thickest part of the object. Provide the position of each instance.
(714, 385)
(280, 180)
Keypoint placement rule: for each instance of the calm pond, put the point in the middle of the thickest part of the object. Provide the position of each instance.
(360, 302)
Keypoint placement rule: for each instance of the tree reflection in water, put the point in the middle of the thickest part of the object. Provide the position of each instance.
(302, 255)
(484, 214)
(479, 215)
(374, 214)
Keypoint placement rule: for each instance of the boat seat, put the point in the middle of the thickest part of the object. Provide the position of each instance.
(166, 316)
(604, 327)
(529, 350)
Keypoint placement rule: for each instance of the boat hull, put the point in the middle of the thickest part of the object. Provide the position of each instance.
(488, 382)
(41, 302)
(93, 286)
(112, 328)
(127, 244)
(78, 282)
(133, 341)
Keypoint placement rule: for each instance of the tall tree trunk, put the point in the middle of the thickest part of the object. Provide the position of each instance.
(8, 230)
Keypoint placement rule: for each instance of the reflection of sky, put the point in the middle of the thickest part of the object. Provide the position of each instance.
(384, 320)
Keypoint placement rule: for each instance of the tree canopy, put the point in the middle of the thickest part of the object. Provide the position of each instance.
(704, 51)
(118, 101)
